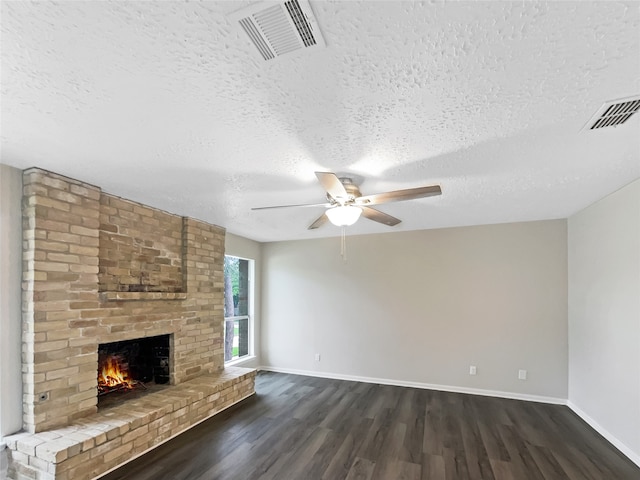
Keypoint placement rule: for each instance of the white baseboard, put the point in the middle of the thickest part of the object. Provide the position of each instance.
(626, 451)
(425, 386)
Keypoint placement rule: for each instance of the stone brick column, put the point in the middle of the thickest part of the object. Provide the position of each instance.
(201, 348)
(60, 289)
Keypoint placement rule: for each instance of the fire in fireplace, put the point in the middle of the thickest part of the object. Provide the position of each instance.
(113, 375)
(132, 365)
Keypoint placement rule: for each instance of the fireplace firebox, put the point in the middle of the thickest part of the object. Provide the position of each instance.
(130, 368)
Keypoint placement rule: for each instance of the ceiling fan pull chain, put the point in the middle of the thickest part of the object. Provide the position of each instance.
(343, 245)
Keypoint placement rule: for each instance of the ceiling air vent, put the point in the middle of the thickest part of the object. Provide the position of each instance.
(280, 28)
(614, 113)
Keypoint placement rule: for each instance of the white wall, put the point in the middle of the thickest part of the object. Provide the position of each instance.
(604, 317)
(10, 300)
(245, 248)
(421, 307)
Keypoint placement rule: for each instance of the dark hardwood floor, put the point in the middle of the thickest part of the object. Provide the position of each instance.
(310, 428)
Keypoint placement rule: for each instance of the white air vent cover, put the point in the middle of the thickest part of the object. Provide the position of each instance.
(280, 28)
(614, 113)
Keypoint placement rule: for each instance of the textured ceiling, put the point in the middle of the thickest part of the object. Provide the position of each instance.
(168, 104)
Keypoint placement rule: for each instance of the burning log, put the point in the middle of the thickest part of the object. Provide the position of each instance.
(104, 389)
(114, 376)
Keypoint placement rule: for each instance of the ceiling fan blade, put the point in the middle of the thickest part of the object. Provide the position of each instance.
(399, 195)
(321, 220)
(331, 183)
(326, 205)
(378, 216)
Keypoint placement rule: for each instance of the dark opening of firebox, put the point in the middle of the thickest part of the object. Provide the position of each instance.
(131, 368)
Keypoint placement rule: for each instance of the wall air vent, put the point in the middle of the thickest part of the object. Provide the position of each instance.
(614, 113)
(280, 28)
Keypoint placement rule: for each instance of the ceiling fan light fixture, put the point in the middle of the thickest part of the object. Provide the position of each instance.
(344, 215)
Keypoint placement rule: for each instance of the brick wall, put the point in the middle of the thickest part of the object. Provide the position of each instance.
(140, 248)
(99, 269)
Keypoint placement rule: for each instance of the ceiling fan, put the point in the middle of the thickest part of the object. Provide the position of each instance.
(345, 203)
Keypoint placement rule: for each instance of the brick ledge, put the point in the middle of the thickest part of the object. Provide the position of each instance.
(130, 296)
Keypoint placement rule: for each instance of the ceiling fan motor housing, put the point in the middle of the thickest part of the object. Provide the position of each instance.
(352, 189)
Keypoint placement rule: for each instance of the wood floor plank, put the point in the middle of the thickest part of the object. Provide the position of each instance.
(307, 428)
(226, 466)
(474, 447)
(492, 442)
(433, 467)
(502, 470)
(455, 467)
(317, 465)
(339, 465)
(412, 449)
(522, 463)
(408, 471)
(432, 439)
(296, 466)
(387, 459)
(374, 440)
(546, 462)
(362, 469)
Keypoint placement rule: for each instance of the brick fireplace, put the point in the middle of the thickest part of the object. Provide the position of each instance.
(99, 269)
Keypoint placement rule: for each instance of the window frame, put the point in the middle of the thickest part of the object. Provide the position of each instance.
(249, 316)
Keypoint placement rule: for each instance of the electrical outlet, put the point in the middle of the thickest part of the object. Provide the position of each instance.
(472, 370)
(522, 374)
(317, 357)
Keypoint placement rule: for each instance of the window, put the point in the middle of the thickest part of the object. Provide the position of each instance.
(238, 308)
